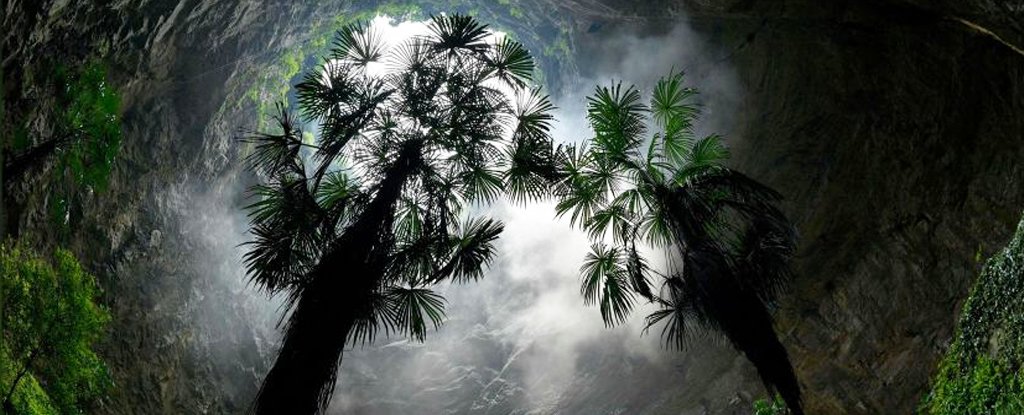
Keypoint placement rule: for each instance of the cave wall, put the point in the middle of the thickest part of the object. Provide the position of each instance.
(893, 129)
(897, 137)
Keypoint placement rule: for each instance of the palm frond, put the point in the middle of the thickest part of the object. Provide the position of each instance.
(380, 318)
(533, 115)
(472, 251)
(709, 151)
(583, 199)
(414, 56)
(511, 62)
(358, 43)
(655, 228)
(617, 118)
(669, 102)
(274, 154)
(336, 190)
(455, 33)
(612, 218)
(531, 170)
(637, 269)
(678, 320)
(413, 308)
(286, 221)
(321, 93)
(346, 124)
(605, 283)
(481, 184)
(765, 252)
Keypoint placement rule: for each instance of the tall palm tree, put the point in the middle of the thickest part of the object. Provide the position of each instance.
(726, 243)
(357, 226)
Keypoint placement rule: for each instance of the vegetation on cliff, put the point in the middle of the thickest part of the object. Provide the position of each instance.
(82, 137)
(50, 320)
(983, 372)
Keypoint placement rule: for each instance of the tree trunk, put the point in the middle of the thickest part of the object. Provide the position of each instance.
(340, 291)
(3, 146)
(8, 405)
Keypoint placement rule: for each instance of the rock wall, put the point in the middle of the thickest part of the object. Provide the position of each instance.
(894, 129)
(897, 136)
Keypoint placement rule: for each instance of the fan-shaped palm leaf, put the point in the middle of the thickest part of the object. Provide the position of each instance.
(605, 283)
(453, 33)
(413, 308)
(512, 62)
(358, 43)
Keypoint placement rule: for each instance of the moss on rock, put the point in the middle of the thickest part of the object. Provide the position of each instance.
(983, 372)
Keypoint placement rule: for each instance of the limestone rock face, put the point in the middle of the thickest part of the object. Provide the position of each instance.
(895, 129)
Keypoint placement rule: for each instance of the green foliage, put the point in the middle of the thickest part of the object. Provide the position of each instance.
(626, 186)
(774, 406)
(92, 120)
(982, 372)
(30, 398)
(89, 137)
(274, 81)
(50, 321)
(728, 244)
(985, 386)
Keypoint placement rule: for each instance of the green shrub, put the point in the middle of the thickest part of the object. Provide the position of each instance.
(92, 118)
(982, 372)
(50, 321)
(774, 406)
(90, 137)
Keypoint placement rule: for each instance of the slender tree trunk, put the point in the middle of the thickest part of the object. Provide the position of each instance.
(3, 146)
(739, 314)
(339, 293)
(17, 379)
(749, 326)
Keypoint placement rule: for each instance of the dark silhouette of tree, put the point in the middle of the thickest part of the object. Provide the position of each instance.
(357, 226)
(727, 244)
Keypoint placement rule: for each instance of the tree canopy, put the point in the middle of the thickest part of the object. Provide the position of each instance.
(357, 226)
(725, 242)
(50, 321)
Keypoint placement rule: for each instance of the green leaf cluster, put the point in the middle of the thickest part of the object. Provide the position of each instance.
(89, 137)
(667, 189)
(92, 119)
(983, 370)
(727, 243)
(50, 322)
(774, 406)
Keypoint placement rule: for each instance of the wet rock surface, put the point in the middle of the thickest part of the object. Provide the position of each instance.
(893, 128)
